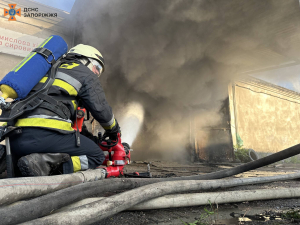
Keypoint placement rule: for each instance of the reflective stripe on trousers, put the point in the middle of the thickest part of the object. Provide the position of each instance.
(80, 163)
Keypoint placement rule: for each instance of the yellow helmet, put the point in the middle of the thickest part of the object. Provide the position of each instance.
(87, 51)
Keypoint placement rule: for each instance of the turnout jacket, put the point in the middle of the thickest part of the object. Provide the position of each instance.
(72, 79)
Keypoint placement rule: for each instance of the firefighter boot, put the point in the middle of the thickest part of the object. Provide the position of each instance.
(41, 164)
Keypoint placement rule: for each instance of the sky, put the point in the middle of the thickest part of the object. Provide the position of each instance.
(65, 5)
(288, 77)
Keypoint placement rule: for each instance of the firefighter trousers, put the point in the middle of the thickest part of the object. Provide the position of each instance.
(38, 140)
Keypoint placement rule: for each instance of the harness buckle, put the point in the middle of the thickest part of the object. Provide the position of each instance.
(46, 53)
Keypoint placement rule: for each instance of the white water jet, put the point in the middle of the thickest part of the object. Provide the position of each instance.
(131, 122)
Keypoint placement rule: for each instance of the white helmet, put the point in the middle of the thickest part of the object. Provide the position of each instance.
(93, 55)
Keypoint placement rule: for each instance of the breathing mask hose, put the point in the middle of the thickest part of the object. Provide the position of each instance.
(44, 205)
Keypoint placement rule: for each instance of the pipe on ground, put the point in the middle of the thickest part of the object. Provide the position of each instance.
(289, 152)
(96, 211)
(44, 205)
(196, 199)
(16, 189)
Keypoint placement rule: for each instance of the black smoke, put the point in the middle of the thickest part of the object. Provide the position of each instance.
(176, 55)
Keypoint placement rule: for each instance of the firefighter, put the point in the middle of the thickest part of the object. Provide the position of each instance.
(48, 141)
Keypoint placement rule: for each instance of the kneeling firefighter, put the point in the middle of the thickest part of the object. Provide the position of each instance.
(48, 141)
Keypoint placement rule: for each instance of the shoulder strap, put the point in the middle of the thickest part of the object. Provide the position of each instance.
(64, 98)
(45, 53)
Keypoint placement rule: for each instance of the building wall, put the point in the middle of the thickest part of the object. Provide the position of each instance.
(41, 27)
(264, 117)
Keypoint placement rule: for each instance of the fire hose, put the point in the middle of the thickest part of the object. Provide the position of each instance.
(96, 211)
(16, 189)
(44, 205)
(196, 199)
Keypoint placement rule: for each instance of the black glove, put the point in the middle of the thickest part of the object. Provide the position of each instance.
(88, 134)
(85, 131)
(113, 132)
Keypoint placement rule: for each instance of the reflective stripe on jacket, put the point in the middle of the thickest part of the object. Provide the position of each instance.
(71, 79)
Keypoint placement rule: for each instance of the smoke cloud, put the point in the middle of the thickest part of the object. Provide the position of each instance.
(172, 56)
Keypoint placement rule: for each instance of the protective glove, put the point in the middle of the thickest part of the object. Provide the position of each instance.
(113, 132)
(88, 134)
(85, 131)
